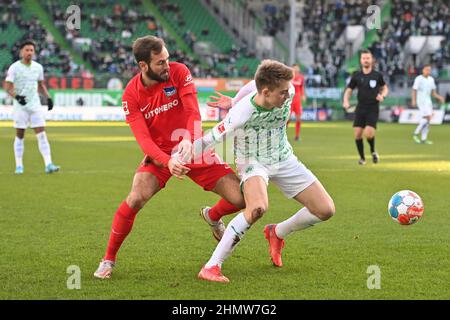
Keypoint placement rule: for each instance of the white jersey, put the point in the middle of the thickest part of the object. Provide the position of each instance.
(260, 134)
(424, 86)
(25, 79)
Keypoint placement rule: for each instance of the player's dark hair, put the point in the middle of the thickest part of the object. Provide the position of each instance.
(27, 43)
(365, 51)
(144, 47)
(271, 73)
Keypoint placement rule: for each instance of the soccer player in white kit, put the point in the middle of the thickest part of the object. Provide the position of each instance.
(264, 154)
(23, 80)
(423, 88)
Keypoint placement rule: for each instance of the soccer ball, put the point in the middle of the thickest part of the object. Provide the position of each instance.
(405, 207)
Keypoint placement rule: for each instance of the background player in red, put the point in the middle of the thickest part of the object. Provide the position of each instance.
(161, 107)
(296, 107)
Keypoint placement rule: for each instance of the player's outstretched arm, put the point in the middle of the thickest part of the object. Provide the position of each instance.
(220, 101)
(234, 120)
(224, 102)
(245, 90)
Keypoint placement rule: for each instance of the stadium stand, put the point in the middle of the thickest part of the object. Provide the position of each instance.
(107, 31)
(10, 30)
(213, 50)
(18, 25)
(110, 30)
(433, 18)
(198, 26)
(321, 24)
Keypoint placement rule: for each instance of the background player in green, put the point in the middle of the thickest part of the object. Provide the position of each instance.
(24, 79)
(264, 154)
(371, 91)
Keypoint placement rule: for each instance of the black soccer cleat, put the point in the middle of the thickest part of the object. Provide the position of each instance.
(375, 157)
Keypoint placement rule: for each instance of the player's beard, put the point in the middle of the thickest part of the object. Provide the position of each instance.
(27, 57)
(157, 77)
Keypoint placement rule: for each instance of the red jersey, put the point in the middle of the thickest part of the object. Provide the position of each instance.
(155, 113)
(299, 84)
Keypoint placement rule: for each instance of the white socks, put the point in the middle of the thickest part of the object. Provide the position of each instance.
(19, 147)
(425, 131)
(301, 220)
(231, 237)
(44, 147)
(238, 226)
(422, 124)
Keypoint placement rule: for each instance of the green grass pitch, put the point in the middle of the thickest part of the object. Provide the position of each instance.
(50, 222)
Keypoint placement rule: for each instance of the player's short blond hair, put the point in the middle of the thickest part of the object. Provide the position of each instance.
(271, 73)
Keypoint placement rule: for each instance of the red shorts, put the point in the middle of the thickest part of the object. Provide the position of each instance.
(205, 175)
(296, 108)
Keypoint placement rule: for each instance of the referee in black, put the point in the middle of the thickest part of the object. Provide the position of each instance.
(371, 91)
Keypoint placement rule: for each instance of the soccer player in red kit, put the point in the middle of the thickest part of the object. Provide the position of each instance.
(296, 107)
(161, 108)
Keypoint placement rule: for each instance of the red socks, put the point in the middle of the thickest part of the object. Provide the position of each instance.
(222, 208)
(297, 129)
(121, 227)
(124, 219)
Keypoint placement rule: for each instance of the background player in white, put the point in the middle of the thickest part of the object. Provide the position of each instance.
(24, 80)
(263, 153)
(423, 88)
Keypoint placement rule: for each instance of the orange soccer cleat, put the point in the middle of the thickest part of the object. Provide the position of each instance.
(212, 274)
(275, 244)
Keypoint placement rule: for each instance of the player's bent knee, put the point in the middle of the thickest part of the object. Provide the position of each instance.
(325, 211)
(370, 135)
(137, 200)
(328, 211)
(258, 211)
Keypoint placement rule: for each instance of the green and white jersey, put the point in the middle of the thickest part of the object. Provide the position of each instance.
(25, 79)
(424, 87)
(260, 134)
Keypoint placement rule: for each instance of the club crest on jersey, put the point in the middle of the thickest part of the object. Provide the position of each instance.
(170, 91)
(373, 83)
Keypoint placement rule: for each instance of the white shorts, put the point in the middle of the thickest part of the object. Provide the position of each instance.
(291, 176)
(425, 111)
(34, 119)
